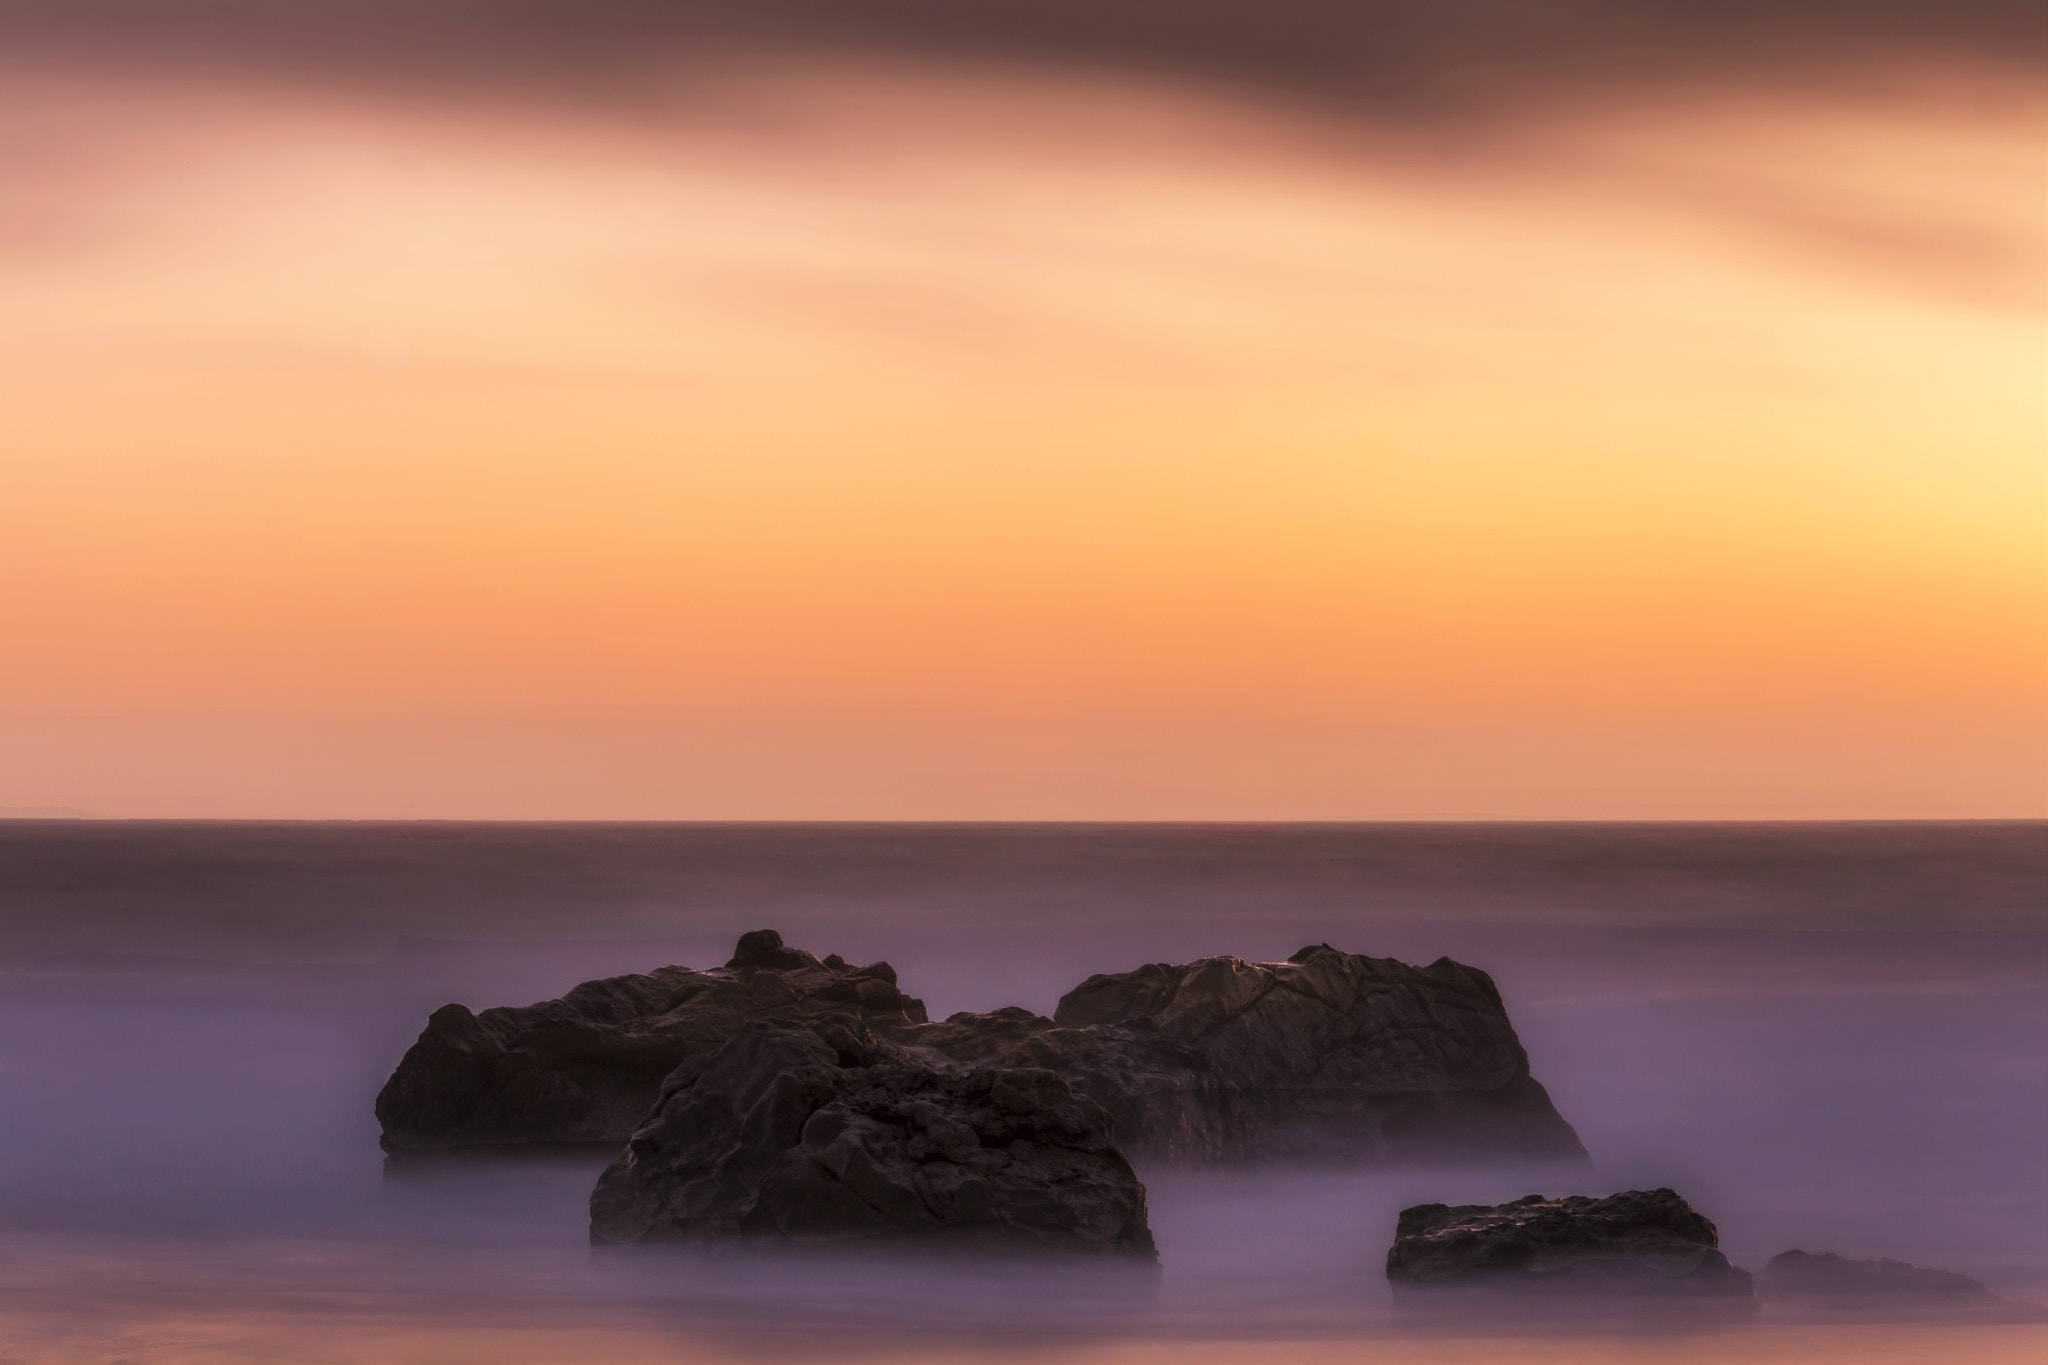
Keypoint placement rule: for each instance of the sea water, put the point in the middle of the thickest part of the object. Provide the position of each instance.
(1828, 1037)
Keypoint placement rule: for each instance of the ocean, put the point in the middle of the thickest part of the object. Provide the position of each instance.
(1828, 1037)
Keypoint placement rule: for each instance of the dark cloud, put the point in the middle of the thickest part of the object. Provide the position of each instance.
(1389, 55)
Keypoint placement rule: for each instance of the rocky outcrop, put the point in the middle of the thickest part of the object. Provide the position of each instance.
(1795, 1273)
(794, 1134)
(1326, 1057)
(587, 1068)
(1329, 1057)
(1639, 1242)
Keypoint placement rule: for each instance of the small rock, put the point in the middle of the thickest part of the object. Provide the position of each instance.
(1796, 1272)
(1639, 1242)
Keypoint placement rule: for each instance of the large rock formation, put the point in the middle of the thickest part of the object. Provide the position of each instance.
(1326, 1057)
(587, 1068)
(1829, 1275)
(800, 1135)
(1639, 1242)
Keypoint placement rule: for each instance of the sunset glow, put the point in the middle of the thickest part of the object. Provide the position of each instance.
(863, 437)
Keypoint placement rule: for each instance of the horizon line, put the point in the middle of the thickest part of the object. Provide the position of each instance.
(83, 817)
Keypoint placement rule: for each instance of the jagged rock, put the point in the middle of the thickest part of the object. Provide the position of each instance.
(799, 1135)
(1637, 1242)
(1329, 1056)
(587, 1067)
(1795, 1272)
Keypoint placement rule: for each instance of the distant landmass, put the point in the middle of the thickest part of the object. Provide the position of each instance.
(47, 813)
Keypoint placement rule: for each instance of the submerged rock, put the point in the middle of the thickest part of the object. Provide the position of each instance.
(1797, 1273)
(1326, 1057)
(795, 1134)
(1638, 1242)
(587, 1067)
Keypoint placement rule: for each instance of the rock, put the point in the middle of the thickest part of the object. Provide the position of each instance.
(1638, 1242)
(587, 1067)
(1327, 1057)
(1797, 1273)
(795, 1134)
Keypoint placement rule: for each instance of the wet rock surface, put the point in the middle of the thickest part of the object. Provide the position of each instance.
(1327, 1057)
(1640, 1242)
(797, 1134)
(1796, 1273)
(586, 1068)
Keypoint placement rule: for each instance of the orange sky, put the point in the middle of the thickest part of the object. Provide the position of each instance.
(851, 437)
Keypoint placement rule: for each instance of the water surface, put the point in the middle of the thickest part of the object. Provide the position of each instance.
(1827, 1037)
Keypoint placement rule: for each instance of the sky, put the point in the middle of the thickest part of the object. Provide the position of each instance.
(973, 409)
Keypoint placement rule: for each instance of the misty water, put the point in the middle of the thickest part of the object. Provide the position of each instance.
(1825, 1037)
